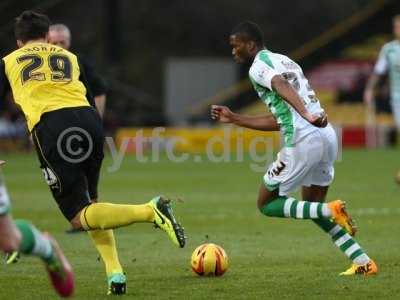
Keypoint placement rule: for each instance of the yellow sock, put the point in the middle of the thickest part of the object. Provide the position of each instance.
(109, 216)
(105, 243)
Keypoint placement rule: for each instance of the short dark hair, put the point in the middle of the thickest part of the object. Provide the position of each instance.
(250, 31)
(30, 25)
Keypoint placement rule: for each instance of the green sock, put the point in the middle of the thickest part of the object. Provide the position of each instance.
(344, 241)
(285, 207)
(33, 242)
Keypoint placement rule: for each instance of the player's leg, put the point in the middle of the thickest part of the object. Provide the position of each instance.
(315, 188)
(287, 174)
(110, 216)
(362, 264)
(23, 237)
(104, 240)
(105, 244)
(271, 204)
(396, 116)
(4, 196)
(100, 218)
(33, 242)
(10, 237)
(67, 178)
(68, 183)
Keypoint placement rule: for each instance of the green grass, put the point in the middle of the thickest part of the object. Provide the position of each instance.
(270, 258)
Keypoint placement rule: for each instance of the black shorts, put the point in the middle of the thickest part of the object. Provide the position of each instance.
(69, 143)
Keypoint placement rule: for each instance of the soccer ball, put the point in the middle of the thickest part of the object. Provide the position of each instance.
(209, 260)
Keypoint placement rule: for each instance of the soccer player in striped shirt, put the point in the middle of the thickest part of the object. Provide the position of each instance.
(22, 236)
(388, 62)
(310, 144)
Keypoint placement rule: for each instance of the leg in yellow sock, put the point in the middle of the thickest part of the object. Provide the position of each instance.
(105, 244)
(108, 215)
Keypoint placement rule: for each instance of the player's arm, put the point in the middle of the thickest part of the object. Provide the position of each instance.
(372, 84)
(100, 102)
(290, 95)
(267, 77)
(97, 85)
(380, 69)
(100, 89)
(83, 79)
(264, 122)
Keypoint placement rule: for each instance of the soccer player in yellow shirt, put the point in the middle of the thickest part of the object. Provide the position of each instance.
(50, 87)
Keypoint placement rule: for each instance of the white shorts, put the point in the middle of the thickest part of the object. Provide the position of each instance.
(309, 162)
(4, 200)
(396, 113)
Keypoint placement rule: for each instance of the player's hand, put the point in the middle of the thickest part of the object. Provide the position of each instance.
(222, 114)
(368, 97)
(2, 162)
(318, 120)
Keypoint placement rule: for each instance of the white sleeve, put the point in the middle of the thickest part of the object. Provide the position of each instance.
(381, 65)
(261, 73)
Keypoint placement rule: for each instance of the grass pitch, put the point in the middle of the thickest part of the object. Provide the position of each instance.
(270, 258)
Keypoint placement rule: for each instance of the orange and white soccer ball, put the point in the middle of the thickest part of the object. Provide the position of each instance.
(209, 260)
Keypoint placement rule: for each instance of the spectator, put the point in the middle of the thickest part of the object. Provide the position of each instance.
(60, 35)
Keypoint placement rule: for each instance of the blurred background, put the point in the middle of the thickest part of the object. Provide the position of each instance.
(165, 62)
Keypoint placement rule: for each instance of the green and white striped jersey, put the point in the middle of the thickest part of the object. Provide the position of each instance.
(389, 61)
(265, 66)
